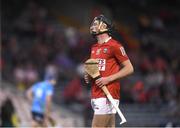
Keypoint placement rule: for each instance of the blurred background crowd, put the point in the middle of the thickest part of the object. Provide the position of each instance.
(40, 38)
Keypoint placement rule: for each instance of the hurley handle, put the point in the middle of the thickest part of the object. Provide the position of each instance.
(110, 98)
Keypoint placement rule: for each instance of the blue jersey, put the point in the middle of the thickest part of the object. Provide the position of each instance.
(40, 91)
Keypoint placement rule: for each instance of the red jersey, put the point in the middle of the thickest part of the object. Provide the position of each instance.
(110, 55)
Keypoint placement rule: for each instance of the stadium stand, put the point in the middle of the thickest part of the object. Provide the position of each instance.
(41, 37)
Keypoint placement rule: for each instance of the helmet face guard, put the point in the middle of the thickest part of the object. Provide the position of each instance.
(100, 25)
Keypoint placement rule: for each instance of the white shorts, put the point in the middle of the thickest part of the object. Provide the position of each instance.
(103, 106)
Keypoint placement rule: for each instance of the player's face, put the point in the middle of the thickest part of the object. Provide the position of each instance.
(53, 82)
(94, 27)
(97, 27)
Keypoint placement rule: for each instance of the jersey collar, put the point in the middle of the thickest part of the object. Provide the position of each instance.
(107, 39)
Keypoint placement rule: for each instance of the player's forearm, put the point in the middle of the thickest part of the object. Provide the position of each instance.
(125, 71)
(29, 95)
(48, 106)
(48, 110)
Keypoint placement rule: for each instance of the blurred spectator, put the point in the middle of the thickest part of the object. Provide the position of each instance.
(145, 65)
(73, 92)
(19, 76)
(7, 111)
(153, 95)
(154, 79)
(157, 24)
(167, 16)
(177, 80)
(126, 90)
(138, 92)
(174, 110)
(160, 64)
(71, 36)
(31, 74)
(1, 65)
(144, 24)
(51, 69)
(25, 75)
(170, 83)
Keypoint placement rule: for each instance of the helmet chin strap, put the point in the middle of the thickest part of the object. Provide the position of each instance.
(96, 34)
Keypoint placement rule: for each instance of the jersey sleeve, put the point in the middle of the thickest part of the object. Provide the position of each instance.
(33, 88)
(120, 53)
(91, 52)
(49, 91)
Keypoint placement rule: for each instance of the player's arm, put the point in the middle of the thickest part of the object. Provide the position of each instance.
(48, 102)
(48, 109)
(48, 118)
(126, 70)
(29, 94)
(48, 105)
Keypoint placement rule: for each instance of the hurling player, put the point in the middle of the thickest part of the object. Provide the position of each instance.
(114, 64)
(40, 96)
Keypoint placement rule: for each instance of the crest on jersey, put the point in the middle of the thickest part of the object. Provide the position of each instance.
(98, 51)
(105, 50)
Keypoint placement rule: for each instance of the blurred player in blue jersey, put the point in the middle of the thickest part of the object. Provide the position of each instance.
(40, 95)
